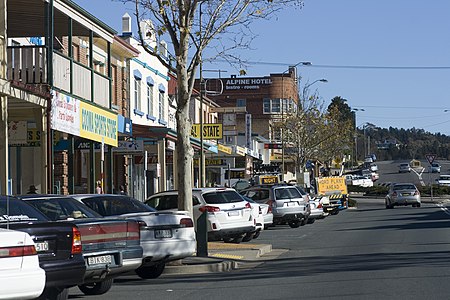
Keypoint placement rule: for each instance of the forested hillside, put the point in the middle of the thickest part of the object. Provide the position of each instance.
(393, 143)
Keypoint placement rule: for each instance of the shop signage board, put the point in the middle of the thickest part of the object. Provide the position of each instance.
(210, 131)
(82, 119)
(224, 149)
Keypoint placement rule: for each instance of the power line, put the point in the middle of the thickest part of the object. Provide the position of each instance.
(367, 67)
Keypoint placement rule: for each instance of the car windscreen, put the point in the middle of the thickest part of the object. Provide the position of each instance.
(398, 187)
(220, 197)
(286, 193)
(301, 190)
(116, 205)
(63, 208)
(14, 210)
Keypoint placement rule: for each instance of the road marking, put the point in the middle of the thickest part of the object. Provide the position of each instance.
(419, 175)
(443, 208)
(229, 256)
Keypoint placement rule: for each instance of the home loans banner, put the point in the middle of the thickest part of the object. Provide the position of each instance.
(82, 119)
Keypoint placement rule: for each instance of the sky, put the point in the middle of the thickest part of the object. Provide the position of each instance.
(390, 59)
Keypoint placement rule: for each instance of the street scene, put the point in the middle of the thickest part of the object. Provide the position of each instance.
(203, 149)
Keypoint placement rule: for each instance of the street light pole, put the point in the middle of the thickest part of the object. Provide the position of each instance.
(355, 110)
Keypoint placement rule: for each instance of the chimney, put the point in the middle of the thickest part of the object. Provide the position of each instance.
(126, 25)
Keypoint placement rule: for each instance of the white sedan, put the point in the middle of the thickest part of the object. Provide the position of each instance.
(165, 236)
(20, 274)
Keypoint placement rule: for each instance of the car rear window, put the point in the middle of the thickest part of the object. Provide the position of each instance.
(220, 197)
(14, 210)
(111, 206)
(63, 208)
(287, 193)
(404, 187)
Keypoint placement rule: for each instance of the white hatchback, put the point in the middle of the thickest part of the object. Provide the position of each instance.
(20, 274)
(229, 216)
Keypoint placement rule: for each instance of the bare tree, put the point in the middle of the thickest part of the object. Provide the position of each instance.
(193, 25)
(313, 132)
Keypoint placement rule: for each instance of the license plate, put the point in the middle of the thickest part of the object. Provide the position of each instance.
(233, 213)
(291, 204)
(104, 259)
(41, 246)
(163, 233)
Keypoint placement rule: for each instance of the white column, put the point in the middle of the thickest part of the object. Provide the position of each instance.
(162, 163)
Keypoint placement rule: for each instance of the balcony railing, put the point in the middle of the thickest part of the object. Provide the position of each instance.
(27, 65)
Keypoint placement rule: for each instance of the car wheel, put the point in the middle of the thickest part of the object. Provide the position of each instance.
(150, 272)
(257, 233)
(418, 205)
(96, 288)
(237, 239)
(303, 222)
(311, 221)
(335, 212)
(294, 224)
(54, 294)
(248, 236)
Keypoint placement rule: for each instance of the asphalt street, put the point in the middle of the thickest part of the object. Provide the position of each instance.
(364, 253)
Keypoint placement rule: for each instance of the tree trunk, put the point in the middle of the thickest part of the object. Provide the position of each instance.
(185, 152)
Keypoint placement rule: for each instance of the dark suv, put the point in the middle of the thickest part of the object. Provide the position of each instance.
(288, 205)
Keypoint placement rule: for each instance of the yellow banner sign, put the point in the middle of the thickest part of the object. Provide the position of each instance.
(331, 185)
(268, 179)
(224, 149)
(98, 124)
(210, 131)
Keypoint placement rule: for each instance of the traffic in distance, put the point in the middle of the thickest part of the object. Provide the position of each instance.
(88, 240)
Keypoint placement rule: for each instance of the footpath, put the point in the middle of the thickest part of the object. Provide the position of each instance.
(224, 257)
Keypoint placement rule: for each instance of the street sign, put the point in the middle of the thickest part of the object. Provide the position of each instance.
(273, 146)
(430, 158)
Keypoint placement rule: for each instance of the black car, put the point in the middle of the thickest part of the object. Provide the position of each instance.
(58, 245)
(111, 246)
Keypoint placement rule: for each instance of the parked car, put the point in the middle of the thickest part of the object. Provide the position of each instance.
(263, 218)
(316, 209)
(314, 206)
(58, 245)
(229, 216)
(443, 180)
(288, 205)
(165, 236)
(435, 168)
(111, 247)
(402, 194)
(20, 274)
(373, 167)
(363, 181)
(404, 168)
(241, 184)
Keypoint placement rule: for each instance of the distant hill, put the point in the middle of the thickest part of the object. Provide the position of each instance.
(393, 143)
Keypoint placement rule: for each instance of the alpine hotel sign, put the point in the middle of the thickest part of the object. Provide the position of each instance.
(246, 83)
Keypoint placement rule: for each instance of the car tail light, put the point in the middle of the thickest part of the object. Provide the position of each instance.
(247, 205)
(18, 251)
(209, 208)
(186, 222)
(76, 241)
(134, 229)
(270, 209)
(320, 205)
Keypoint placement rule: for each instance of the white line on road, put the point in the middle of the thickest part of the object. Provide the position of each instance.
(443, 208)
